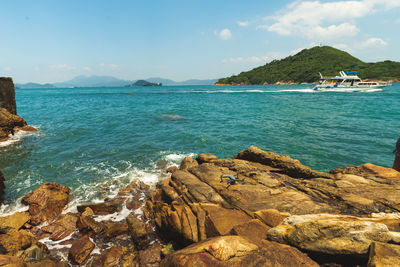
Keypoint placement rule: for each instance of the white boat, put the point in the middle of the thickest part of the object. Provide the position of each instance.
(348, 82)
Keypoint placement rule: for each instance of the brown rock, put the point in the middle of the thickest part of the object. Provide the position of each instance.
(13, 222)
(271, 217)
(62, 228)
(103, 208)
(12, 242)
(138, 232)
(187, 163)
(28, 128)
(286, 164)
(236, 251)
(384, 255)
(220, 221)
(171, 169)
(46, 263)
(110, 257)
(88, 223)
(150, 257)
(80, 250)
(253, 230)
(11, 261)
(369, 169)
(46, 202)
(7, 95)
(9, 123)
(114, 229)
(34, 253)
(332, 234)
(206, 157)
(2, 186)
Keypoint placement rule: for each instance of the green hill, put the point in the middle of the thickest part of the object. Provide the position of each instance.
(305, 65)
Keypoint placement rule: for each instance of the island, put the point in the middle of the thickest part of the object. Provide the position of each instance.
(305, 66)
(143, 83)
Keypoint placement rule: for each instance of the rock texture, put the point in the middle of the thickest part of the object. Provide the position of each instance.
(7, 95)
(276, 208)
(237, 251)
(46, 202)
(10, 122)
(2, 185)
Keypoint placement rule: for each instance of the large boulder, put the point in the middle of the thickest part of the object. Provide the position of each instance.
(384, 255)
(61, 228)
(286, 164)
(7, 95)
(46, 202)
(13, 222)
(9, 123)
(237, 251)
(138, 232)
(81, 249)
(332, 234)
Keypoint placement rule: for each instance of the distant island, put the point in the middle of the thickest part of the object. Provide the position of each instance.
(305, 66)
(110, 81)
(143, 83)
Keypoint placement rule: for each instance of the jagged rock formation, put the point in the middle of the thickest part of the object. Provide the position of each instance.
(10, 122)
(279, 213)
(7, 95)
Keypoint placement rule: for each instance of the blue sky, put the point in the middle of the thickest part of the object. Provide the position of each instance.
(50, 41)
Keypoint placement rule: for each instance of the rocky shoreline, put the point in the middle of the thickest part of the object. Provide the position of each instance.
(10, 122)
(280, 213)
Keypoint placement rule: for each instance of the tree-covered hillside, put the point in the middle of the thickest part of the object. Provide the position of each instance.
(304, 67)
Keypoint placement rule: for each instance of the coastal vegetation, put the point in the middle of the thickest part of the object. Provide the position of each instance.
(305, 66)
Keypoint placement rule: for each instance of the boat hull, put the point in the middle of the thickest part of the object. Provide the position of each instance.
(349, 88)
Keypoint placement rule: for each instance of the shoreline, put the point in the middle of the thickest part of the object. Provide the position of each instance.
(145, 224)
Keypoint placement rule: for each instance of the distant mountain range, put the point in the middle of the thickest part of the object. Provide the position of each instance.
(305, 66)
(109, 81)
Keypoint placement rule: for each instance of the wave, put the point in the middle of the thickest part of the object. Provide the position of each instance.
(16, 138)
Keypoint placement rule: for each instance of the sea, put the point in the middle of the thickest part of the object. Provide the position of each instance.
(96, 140)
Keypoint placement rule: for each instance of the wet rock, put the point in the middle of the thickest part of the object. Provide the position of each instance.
(63, 227)
(13, 222)
(187, 163)
(89, 224)
(384, 255)
(34, 253)
(138, 232)
(47, 263)
(206, 157)
(9, 123)
(11, 261)
(171, 169)
(369, 170)
(7, 95)
(151, 256)
(46, 202)
(110, 257)
(80, 250)
(114, 229)
(286, 164)
(332, 234)
(237, 251)
(103, 208)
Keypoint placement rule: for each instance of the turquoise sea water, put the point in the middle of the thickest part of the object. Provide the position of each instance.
(95, 140)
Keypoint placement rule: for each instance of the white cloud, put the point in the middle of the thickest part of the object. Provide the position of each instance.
(261, 59)
(7, 69)
(62, 67)
(114, 66)
(324, 20)
(243, 23)
(87, 69)
(225, 34)
(373, 43)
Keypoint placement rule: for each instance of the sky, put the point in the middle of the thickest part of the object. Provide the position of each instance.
(52, 41)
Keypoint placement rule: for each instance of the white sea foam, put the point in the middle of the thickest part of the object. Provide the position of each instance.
(16, 138)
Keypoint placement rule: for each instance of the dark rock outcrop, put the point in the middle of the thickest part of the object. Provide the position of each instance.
(10, 122)
(7, 95)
